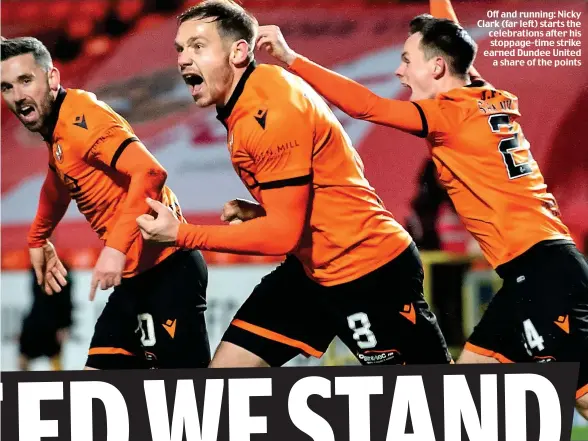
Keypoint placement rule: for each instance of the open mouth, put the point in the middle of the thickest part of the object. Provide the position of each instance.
(27, 113)
(194, 82)
(193, 79)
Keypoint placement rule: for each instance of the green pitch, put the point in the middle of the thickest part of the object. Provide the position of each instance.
(580, 434)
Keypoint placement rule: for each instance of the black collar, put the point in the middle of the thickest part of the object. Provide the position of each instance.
(224, 112)
(54, 115)
(477, 83)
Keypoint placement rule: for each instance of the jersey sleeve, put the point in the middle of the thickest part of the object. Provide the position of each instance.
(438, 116)
(356, 100)
(282, 150)
(54, 200)
(106, 138)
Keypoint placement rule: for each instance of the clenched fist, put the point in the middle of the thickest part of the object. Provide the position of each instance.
(271, 39)
(240, 210)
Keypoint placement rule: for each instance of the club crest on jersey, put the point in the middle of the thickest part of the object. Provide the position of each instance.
(58, 153)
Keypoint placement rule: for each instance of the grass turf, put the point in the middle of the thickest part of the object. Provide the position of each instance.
(580, 434)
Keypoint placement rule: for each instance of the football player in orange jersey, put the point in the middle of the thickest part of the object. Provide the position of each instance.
(155, 315)
(351, 270)
(484, 161)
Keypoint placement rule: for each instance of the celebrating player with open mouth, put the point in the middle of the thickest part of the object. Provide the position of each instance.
(352, 271)
(484, 161)
(155, 315)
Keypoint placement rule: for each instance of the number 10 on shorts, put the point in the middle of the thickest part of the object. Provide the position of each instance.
(147, 329)
(362, 334)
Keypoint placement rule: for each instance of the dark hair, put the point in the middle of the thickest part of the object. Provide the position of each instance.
(232, 20)
(13, 47)
(445, 38)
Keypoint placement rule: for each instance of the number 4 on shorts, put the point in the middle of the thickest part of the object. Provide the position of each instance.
(534, 340)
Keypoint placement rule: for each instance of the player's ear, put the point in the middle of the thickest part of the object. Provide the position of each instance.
(439, 67)
(240, 53)
(54, 78)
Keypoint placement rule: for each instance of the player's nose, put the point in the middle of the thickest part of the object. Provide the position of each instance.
(18, 95)
(184, 60)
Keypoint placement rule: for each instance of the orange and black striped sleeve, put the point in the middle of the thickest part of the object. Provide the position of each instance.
(282, 167)
(275, 234)
(117, 147)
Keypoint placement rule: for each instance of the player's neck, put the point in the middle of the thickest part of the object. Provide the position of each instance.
(449, 83)
(237, 75)
(47, 130)
(44, 131)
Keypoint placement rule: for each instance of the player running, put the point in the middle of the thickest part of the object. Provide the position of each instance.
(155, 315)
(351, 270)
(484, 162)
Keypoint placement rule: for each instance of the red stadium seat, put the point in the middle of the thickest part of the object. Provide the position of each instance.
(94, 9)
(189, 3)
(60, 9)
(97, 46)
(29, 12)
(80, 29)
(128, 10)
(150, 21)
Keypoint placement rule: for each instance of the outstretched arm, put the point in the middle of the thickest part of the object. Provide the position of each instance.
(284, 179)
(351, 97)
(275, 234)
(358, 101)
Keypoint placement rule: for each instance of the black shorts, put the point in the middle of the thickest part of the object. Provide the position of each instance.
(382, 317)
(541, 312)
(155, 319)
(38, 339)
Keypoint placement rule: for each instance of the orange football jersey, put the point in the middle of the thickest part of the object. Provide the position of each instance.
(280, 131)
(88, 140)
(481, 154)
(485, 163)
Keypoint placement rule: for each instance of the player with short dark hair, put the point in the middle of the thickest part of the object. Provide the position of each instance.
(155, 315)
(447, 39)
(233, 23)
(351, 270)
(484, 161)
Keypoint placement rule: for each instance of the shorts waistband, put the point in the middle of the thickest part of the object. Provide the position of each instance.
(520, 263)
(169, 260)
